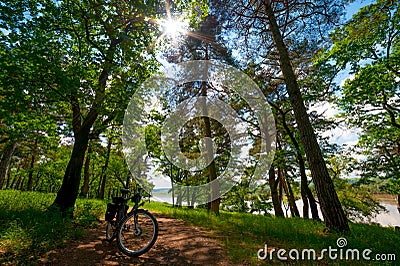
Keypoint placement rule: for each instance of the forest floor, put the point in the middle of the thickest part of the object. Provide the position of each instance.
(177, 244)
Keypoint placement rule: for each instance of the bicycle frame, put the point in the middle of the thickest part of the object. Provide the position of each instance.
(136, 222)
(123, 207)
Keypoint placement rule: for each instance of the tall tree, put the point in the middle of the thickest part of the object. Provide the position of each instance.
(89, 55)
(201, 44)
(368, 47)
(280, 24)
(332, 211)
(306, 194)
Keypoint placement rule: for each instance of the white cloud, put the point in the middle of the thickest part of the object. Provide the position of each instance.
(343, 135)
(326, 109)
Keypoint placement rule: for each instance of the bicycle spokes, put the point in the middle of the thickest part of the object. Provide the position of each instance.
(138, 233)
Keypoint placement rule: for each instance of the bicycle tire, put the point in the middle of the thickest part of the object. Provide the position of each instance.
(132, 241)
(110, 231)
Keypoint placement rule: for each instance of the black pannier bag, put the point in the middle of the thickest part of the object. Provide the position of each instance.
(111, 211)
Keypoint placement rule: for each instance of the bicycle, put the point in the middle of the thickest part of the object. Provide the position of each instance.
(136, 231)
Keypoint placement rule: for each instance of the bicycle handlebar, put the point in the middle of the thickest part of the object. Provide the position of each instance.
(136, 197)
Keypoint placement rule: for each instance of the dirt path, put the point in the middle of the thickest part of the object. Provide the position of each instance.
(177, 244)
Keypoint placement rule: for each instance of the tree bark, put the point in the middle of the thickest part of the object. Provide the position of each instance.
(38, 179)
(5, 161)
(29, 184)
(19, 180)
(292, 203)
(306, 194)
(86, 173)
(68, 192)
(273, 184)
(21, 185)
(211, 169)
(187, 190)
(172, 186)
(313, 204)
(179, 197)
(289, 194)
(332, 211)
(8, 179)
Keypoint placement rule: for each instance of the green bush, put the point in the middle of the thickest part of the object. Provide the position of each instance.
(88, 211)
(29, 228)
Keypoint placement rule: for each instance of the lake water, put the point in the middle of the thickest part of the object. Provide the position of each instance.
(392, 217)
(389, 218)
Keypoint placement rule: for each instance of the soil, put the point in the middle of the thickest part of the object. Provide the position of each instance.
(177, 244)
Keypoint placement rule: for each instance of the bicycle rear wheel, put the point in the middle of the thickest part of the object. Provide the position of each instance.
(137, 233)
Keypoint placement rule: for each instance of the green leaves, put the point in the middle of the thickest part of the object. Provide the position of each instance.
(370, 97)
(369, 35)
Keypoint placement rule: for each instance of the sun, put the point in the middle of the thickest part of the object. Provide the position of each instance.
(173, 28)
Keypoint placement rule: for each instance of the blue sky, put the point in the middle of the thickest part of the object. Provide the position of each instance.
(355, 6)
(342, 135)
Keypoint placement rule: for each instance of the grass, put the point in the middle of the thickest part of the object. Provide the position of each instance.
(28, 229)
(244, 234)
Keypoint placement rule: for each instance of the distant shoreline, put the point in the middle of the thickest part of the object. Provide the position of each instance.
(386, 198)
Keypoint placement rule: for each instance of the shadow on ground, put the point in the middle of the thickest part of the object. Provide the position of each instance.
(177, 244)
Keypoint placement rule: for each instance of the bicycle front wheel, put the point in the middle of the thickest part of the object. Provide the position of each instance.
(110, 231)
(137, 233)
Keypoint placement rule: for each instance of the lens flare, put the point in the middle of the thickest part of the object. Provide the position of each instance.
(173, 28)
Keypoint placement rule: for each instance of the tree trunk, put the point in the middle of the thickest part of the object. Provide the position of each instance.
(29, 185)
(292, 202)
(306, 194)
(289, 194)
(306, 206)
(19, 180)
(86, 173)
(273, 184)
(5, 161)
(187, 189)
(38, 179)
(8, 177)
(172, 186)
(179, 197)
(68, 192)
(21, 185)
(14, 180)
(104, 170)
(128, 181)
(193, 198)
(212, 172)
(313, 204)
(332, 211)
(12, 186)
